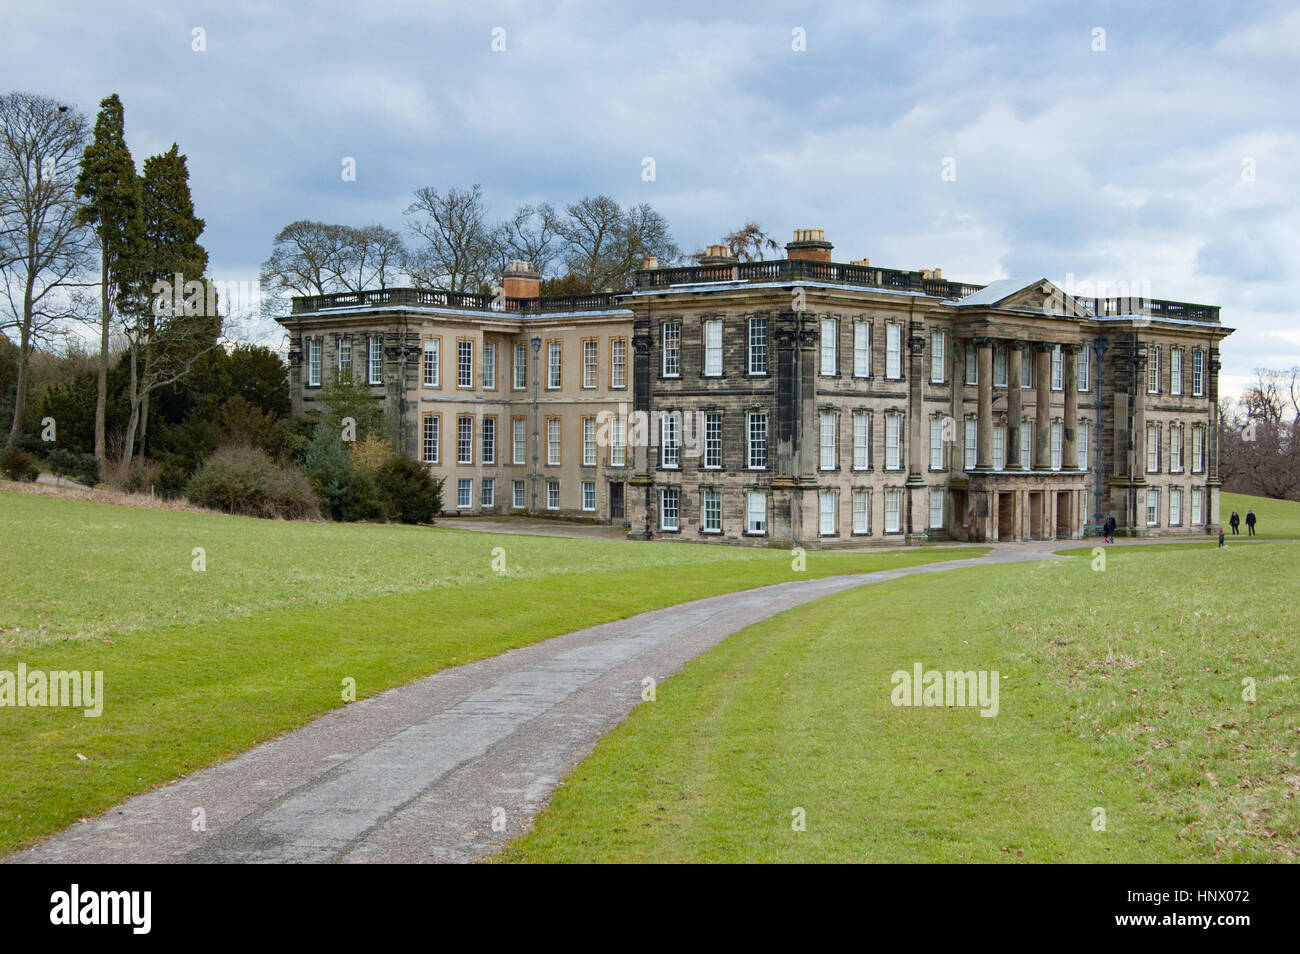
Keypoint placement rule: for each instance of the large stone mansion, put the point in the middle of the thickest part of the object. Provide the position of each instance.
(793, 402)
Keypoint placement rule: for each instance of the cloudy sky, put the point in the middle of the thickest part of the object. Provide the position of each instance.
(1088, 140)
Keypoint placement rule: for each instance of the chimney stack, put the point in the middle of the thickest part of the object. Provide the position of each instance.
(522, 280)
(718, 255)
(809, 245)
(649, 262)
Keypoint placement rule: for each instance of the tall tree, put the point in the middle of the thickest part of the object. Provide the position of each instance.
(751, 243)
(454, 247)
(43, 244)
(604, 245)
(111, 190)
(170, 315)
(527, 236)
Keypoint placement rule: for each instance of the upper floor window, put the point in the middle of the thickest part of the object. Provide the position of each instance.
(893, 440)
(670, 440)
(829, 422)
(893, 351)
(376, 360)
(521, 366)
(937, 349)
(313, 362)
(590, 362)
(345, 357)
(758, 346)
(1000, 366)
(712, 439)
(618, 363)
(1084, 366)
(431, 363)
(829, 356)
(672, 349)
(464, 363)
(862, 349)
(554, 364)
(489, 365)
(1026, 371)
(1058, 369)
(1176, 371)
(758, 440)
(1153, 370)
(972, 364)
(1198, 373)
(713, 348)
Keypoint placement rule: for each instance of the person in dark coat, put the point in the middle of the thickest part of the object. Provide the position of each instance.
(1234, 521)
(1108, 528)
(1250, 521)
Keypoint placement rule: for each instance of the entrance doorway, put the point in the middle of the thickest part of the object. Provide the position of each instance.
(1063, 521)
(1006, 516)
(1036, 515)
(615, 500)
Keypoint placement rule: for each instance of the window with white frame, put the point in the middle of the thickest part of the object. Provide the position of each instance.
(376, 362)
(970, 436)
(1081, 446)
(554, 364)
(313, 362)
(937, 352)
(464, 440)
(345, 357)
(999, 447)
(430, 444)
(464, 493)
(712, 439)
(1058, 369)
(1153, 448)
(1153, 369)
(489, 440)
(553, 435)
(618, 363)
(464, 363)
(1175, 507)
(829, 426)
(893, 350)
(668, 508)
(1198, 373)
(670, 446)
(519, 440)
(1198, 506)
(891, 511)
(829, 352)
(1027, 370)
(617, 442)
(711, 511)
(757, 440)
(1198, 449)
(861, 511)
(1056, 433)
(671, 332)
(487, 492)
(826, 512)
(431, 362)
(713, 348)
(972, 364)
(589, 442)
(936, 509)
(518, 494)
(521, 367)
(1026, 439)
(1175, 448)
(755, 512)
(893, 440)
(1176, 371)
(999, 366)
(589, 495)
(861, 349)
(590, 362)
(861, 440)
(1153, 508)
(1083, 366)
(936, 443)
(490, 365)
(758, 346)
(552, 495)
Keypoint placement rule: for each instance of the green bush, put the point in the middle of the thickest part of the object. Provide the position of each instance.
(408, 490)
(245, 480)
(83, 468)
(17, 464)
(346, 492)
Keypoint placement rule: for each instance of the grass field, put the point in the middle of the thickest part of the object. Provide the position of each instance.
(1277, 518)
(1121, 690)
(199, 666)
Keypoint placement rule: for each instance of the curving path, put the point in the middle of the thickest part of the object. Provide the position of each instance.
(420, 773)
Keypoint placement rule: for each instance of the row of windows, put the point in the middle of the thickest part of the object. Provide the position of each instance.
(553, 357)
(374, 359)
(1174, 514)
(828, 504)
(486, 434)
(519, 494)
(1175, 371)
(1155, 449)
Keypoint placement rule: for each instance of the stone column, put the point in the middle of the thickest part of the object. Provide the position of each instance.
(984, 428)
(1070, 377)
(1043, 411)
(1011, 446)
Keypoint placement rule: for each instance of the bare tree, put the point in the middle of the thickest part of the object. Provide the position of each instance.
(306, 259)
(454, 243)
(1259, 444)
(372, 257)
(44, 247)
(528, 236)
(604, 245)
(751, 243)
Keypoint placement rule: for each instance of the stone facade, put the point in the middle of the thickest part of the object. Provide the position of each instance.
(800, 402)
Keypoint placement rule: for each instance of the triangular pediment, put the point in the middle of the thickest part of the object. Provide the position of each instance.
(1035, 297)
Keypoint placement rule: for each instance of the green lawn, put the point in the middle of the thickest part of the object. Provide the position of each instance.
(1121, 690)
(199, 666)
(1277, 518)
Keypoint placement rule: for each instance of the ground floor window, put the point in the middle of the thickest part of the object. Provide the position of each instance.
(1056, 435)
(1198, 506)
(826, 522)
(861, 511)
(1175, 507)
(464, 493)
(552, 495)
(756, 512)
(936, 509)
(1153, 508)
(488, 493)
(588, 495)
(668, 508)
(711, 516)
(891, 511)
(518, 494)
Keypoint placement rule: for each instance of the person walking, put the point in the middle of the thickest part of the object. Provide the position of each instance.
(1108, 528)
(1250, 522)
(1220, 536)
(1234, 521)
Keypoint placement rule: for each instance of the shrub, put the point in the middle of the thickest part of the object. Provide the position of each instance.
(245, 480)
(346, 492)
(17, 464)
(408, 490)
(83, 468)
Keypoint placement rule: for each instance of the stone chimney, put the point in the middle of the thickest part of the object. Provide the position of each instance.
(522, 280)
(938, 273)
(810, 245)
(718, 255)
(864, 262)
(649, 262)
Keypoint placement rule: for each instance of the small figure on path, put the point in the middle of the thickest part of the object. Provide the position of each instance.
(1108, 528)
(1250, 521)
(1235, 521)
(1220, 536)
